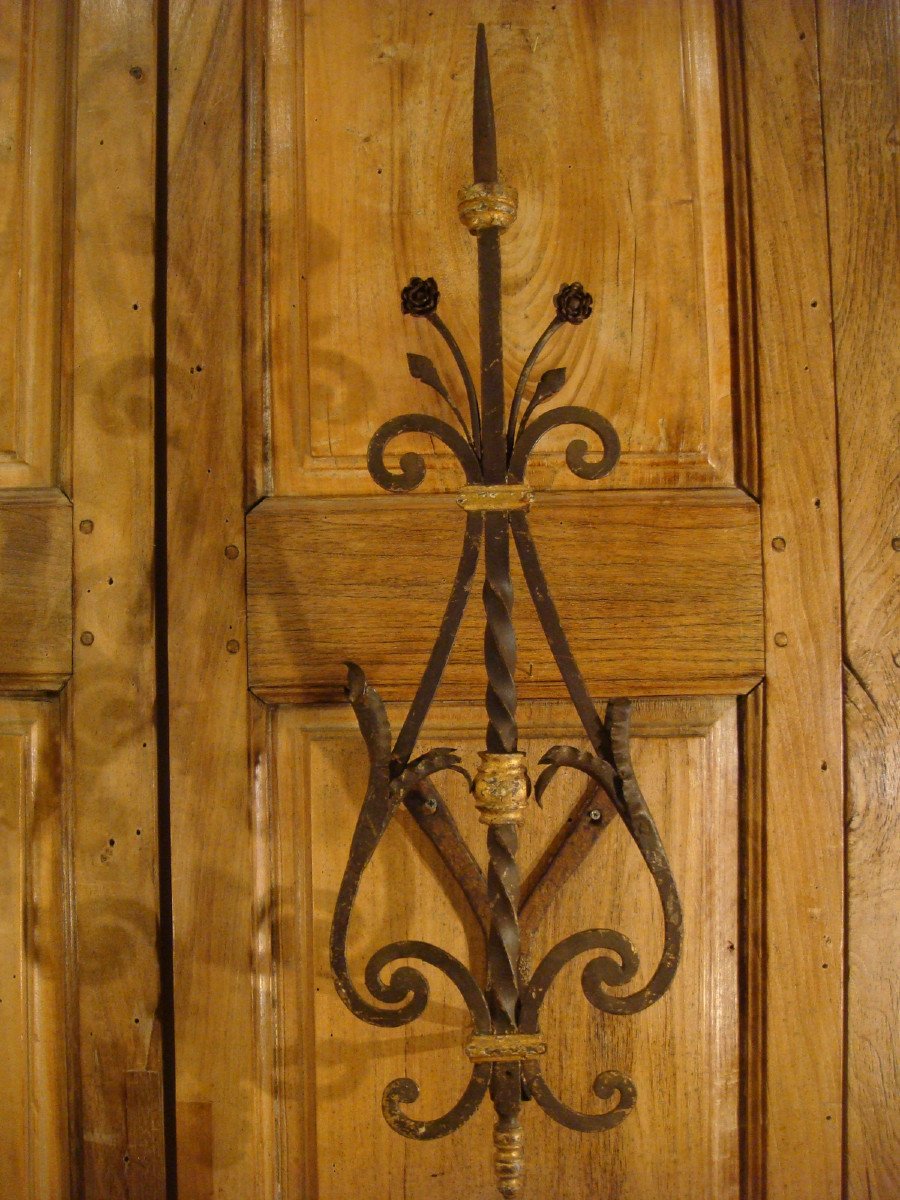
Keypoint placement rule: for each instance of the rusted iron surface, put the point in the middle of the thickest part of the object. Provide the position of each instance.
(493, 449)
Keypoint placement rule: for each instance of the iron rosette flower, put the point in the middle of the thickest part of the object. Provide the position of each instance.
(573, 303)
(420, 297)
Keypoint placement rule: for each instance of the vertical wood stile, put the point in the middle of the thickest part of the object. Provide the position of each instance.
(803, 735)
(219, 793)
(857, 55)
(112, 695)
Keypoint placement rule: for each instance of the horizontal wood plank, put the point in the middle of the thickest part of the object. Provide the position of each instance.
(660, 594)
(35, 591)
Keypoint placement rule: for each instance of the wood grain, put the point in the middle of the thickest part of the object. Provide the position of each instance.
(859, 98)
(111, 702)
(752, 965)
(362, 195)
(33, 92)
(682, 1138)
(34, 1150)
(302, 197)
(35, 591)
(225, 1048)
(145, 1169)
(658, 593)
(803, 733)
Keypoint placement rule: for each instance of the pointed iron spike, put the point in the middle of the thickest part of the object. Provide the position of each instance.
(484, 133)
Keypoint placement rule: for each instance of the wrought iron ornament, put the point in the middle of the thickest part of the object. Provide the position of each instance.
(493, 449)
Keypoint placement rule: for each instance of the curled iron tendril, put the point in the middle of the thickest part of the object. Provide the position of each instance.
(405, 981)
(619, 783)
(407, 987)
(608, 1083)
(420, 299)
(412, 465)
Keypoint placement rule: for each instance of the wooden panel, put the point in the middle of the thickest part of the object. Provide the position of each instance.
(659, 594)
(33, 1108)
(33, 82)
(223, 1018)
(802, 717)
(35, 591)
(859, 94)
(681, 1141)
(620, 173)
(111, 702)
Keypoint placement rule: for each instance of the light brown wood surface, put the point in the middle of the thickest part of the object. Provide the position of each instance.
(223, 999)
(34, 77)
(659, 594)
(721, 178)
(34, 1109)
(76, 466)
(683, 751)
(859, 97)
(236, 885)
(369, 112)
(354, 196)
(802, 734)
(35, 590)
(110, 703)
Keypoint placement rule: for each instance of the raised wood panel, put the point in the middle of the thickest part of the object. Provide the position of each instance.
(681, 1141)
(859, 98)
(619, 165)
(35, 591)
(33, 961)
(33, 82)
(659, 594)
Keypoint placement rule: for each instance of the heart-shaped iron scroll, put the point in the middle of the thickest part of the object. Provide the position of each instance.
(493, 449)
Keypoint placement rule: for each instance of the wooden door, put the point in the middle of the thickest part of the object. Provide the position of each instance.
(206, 214)
(652, 163)
(80, 1079)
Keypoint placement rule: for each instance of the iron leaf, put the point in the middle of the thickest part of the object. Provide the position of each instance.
(422, 368)
(548, 385)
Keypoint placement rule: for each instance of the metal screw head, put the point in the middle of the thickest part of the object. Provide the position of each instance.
(595, 815)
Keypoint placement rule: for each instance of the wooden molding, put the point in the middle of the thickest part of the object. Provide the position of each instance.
(33, 964)
(34, 70)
